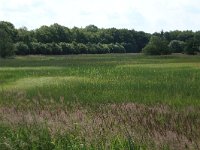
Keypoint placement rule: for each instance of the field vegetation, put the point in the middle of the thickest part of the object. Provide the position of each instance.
(112, 101)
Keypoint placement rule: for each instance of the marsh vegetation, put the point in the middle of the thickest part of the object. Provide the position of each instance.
(107, 101)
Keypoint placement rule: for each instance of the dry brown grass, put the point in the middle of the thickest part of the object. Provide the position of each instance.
(154, 126)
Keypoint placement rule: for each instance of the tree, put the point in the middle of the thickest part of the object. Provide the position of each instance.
(25, 36)
(141, 39)
(82, 48)
(197, 40)
(130, 47)
(9, 29)
(79, 35)
(177, 46)
(22, 48)
(44, 35)
(105, 37)
(190, 47)
(67, 48)
(56, 49)
(59, 33)
(116, 48)
(185, 36)
(91, 28)
(157, 46)
(6, 39)
(172, 35)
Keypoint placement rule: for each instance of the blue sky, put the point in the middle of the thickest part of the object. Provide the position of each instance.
(145, 15)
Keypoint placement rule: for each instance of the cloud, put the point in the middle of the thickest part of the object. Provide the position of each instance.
(168, 14)
(146, 15)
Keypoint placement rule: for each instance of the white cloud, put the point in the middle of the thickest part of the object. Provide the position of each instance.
(146, 15)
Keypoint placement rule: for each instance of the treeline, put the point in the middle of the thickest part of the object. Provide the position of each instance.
(164, 43)
(67, 48)
(58, 40)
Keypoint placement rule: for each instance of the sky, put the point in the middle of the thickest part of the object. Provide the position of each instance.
(140, 15)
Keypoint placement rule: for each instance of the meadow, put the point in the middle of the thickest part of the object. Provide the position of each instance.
(111, 101)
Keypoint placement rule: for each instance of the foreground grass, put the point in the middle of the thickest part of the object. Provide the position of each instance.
(113, 126)
(100, 102)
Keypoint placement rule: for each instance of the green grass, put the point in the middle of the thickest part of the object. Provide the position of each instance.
(95, 81)
(172, 80)
(41, 138)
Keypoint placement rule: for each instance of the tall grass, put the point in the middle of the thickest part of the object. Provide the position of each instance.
(102, 79)
(100, 102)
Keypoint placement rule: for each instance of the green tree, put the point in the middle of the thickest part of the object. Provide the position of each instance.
(177, 46)
(79, 35)
(22, 48)
(56, 49)
(197, 40)
(6, 39)
(190, 47)
(91, 28)
(82, 48)
(157, 46)
(25, 36)
(141, 39)
(130, 47)
(116, 48)
(105, 37)
(185, 36)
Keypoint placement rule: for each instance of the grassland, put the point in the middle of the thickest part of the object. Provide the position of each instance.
(100, 102)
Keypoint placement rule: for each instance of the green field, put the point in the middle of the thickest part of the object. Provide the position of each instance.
(113, 101)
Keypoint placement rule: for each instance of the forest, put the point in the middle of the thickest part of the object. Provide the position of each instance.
(60, 40)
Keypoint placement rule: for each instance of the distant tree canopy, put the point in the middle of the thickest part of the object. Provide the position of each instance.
(60, 40)
(157, 46)
(7, 37)
(177, 46)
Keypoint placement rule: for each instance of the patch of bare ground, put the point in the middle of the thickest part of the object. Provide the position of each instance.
(154, 126)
